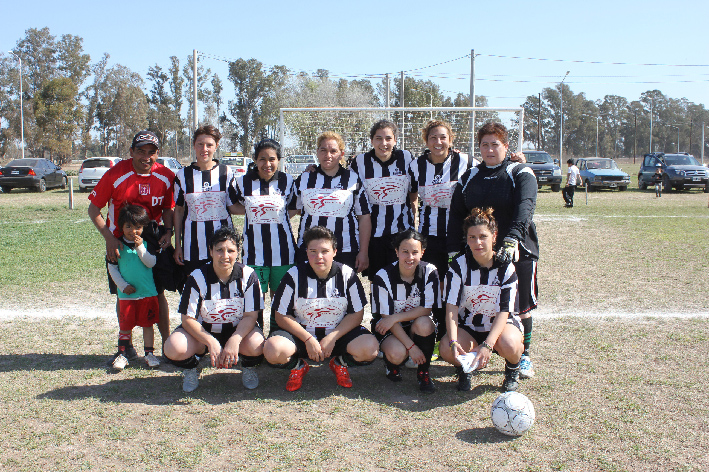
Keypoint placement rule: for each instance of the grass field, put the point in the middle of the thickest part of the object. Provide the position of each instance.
(620, 347)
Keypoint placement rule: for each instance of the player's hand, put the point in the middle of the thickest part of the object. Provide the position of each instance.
(113, 248)
(509, 252)
(417, 355)
(384, 324)
(311, 168)
(165, 241)
(230, 354)
(362, 262)
(457, 350)
(327, 344)
(518, 157)
(130, 290)
(179, 258)
(137, 240)
(314, 349)
(215, 349)
(484, 355)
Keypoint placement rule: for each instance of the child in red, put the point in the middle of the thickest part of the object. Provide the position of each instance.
(137, 295)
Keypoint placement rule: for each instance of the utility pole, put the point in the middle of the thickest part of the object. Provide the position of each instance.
(561, 119)
(635, 137)
(651, 105)
(403, 118)
(22, 108)
(472, 100)
(388, 103)
(539, 125)
(195, 120)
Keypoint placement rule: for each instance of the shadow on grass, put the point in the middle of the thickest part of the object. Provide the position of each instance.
(51, 362)
(488, 435)
(162, 386)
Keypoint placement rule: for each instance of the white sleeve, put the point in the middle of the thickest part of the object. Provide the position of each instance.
(145, 257)
(117, 277)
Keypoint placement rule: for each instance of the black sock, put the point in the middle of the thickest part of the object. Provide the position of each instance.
(123, 344)
(148, 350)
(189, 363)
(290, 365)
(251, 361)
(348, 361)
(426, 344)
(390, 366)
(510, 367)
(527, 325)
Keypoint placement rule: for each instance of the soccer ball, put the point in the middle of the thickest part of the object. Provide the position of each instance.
(512, 413)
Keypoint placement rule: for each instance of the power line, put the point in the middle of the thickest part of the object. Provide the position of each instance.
(576, 61)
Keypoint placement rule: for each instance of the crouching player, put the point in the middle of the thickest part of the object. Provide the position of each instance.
(319, 309)
(133, 275)
(403, 295)
(219, 309)
(482, 303)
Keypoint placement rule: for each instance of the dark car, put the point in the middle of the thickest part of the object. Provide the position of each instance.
(679, 171)
(37, 174)
(544, 168)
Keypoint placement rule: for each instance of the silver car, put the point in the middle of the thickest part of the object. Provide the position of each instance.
(92, 169)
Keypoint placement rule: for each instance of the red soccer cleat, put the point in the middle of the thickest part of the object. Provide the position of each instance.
(295, 380)
(342, 374)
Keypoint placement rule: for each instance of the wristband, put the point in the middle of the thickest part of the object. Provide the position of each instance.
(309, 337)
(453, 341)
(486, 345)
(410, 348)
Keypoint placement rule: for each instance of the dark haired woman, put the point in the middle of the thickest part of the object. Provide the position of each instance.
(510, 189)
(403, 295)
(203, 191)
(265, 193)
(219, 310)
(481, 304)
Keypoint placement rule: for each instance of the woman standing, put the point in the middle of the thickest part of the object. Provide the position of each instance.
(265, 193)
(203, 190)
(510, 189)
(332, 196)
(384, 172)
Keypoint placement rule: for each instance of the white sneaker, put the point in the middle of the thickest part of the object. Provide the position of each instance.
(380, 354)
(151, 360)
(526, 368)
(249, 378)
(411, 364)
(190, 382)
(120, 362)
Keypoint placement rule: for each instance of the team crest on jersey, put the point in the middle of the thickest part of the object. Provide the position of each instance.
(335, 293)
(144, 189)
(414, 292)
(396, 172)
(437, 179)
(206, 186)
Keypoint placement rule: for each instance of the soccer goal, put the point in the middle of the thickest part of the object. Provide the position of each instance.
(300, 127)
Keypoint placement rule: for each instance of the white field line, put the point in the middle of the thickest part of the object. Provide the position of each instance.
(542, 217)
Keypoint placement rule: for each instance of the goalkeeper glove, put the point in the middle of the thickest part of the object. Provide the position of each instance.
(509, 252)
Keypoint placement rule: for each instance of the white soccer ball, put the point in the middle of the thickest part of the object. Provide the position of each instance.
(512, 413)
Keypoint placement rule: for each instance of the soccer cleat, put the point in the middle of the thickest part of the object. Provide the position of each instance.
(380, 355)
(425, 382)
(295, 380)
(411, 364)
(511, 381)
(341, 373)
(131, 353)
(249, 378)
(119, 361)
(190, 380)
(526, 369)
(394, 375)
(151, 360)
(463, 379)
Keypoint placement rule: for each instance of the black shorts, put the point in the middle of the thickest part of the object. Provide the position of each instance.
(480, 336)
(381, 254)
(527, 279)
(222, 337)
(381, 337)
(437, 254)
(340, 348)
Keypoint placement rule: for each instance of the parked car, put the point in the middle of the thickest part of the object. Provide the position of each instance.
(545, 169)
(296, 165)
(37, 174)
(679, 171)
(239, 165)
(170, 162)
(92, 169)
(601, 172)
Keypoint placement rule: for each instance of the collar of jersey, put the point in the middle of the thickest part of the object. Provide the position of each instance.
(254, 175)
(392, 159)
(311, 273)
(427, 155)
(340, 170)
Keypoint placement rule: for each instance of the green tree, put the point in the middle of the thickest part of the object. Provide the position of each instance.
(57, 114)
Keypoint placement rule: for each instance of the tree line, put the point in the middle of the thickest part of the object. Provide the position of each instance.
(76, 108)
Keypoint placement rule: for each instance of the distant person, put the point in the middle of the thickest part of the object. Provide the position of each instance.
(319, 308)
(203, 191)
(403, 295)
(573, 179)
(482, 304)
(510, 189)
(137, 295)
(384, 172)
(219, 311)
(657, 179)
(138, 181)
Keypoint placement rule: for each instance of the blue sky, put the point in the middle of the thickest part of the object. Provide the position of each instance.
(368, 37)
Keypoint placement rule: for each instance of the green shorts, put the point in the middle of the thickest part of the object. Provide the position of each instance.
(270, 275)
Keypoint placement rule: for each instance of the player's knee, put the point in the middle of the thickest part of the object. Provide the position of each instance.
(423, 326)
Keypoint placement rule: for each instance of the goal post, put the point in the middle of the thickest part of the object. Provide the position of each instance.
(300, 127)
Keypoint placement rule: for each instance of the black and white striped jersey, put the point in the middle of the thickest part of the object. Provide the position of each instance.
(391, 295)
(205, 196)
(388, 185)
(268, 237)
(480, 293)
(332, 202)
(319, 303)
(214, 303)
(435, 184)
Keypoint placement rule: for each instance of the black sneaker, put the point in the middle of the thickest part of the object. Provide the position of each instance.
(425, 382)
(131, 354)
(463, 380)
(394, 374)
(511, 381)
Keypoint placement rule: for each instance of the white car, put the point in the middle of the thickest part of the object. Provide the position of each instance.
(92, 169)
(296, 165)
(170, 162)
(239, 165)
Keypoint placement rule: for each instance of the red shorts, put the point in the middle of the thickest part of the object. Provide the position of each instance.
(141, 312)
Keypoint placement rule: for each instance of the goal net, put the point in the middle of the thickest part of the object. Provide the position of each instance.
(299, 128)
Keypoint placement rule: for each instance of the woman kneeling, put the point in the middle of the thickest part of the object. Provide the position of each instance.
(319, 307)
(482, 300)
(219, 308)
